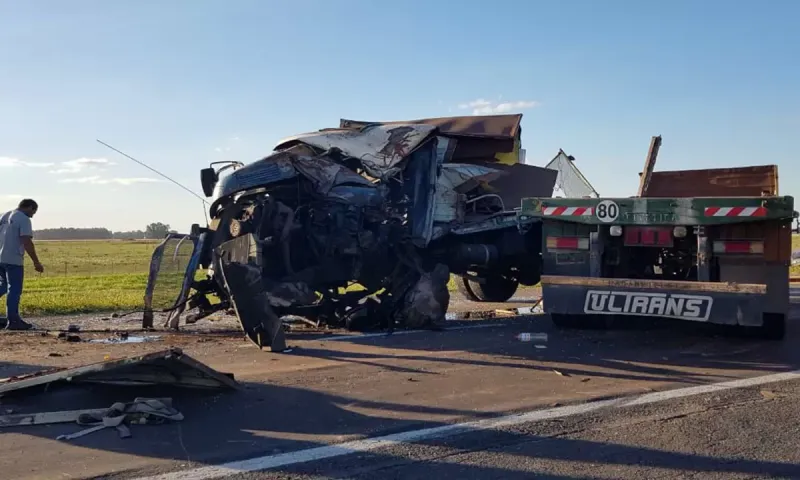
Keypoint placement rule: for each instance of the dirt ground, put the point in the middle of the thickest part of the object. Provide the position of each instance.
(207, 340)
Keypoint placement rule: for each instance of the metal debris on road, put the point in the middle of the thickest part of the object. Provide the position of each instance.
(64, 416)
(167, 367)
(123, 337)
(142, 411)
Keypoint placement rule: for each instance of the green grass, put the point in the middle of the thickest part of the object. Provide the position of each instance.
(85, 276)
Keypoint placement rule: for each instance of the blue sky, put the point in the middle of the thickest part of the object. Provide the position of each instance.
(179, 83)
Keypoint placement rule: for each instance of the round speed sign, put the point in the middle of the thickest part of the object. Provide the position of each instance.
(606, 211)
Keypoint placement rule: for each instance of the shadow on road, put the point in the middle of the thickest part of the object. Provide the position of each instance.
(658, 351)
(267, 419)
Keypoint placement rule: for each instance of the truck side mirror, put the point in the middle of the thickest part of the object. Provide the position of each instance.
(208, 179)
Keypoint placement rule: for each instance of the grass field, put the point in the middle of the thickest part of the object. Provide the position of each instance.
(104, 275)
(85, 276)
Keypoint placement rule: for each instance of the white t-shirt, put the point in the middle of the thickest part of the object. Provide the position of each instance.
(13, 225)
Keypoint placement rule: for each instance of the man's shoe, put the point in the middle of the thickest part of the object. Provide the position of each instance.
(19, 325)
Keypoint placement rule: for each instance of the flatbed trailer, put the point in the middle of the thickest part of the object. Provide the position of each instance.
(720, 260)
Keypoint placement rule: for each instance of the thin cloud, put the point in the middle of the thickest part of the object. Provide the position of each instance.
(485, 107)
(10, 162)
(98, 180)
(10, 196)
(81, 164)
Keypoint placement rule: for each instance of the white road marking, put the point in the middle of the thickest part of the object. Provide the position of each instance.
(321, 453)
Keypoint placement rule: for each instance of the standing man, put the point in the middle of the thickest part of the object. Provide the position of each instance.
(16, 238)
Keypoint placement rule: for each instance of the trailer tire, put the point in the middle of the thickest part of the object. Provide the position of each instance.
(497, 289)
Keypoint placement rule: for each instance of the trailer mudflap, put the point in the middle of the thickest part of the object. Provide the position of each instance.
(241, 273)
(711, 302)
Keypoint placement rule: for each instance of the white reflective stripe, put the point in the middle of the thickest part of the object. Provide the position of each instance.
(549, 210)
(570, 211)
(748, 212)
(723, 211)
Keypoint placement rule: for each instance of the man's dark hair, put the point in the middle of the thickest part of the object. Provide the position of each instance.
(28, 203)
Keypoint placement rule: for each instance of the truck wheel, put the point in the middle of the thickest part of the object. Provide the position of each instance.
(497, 289)
(463, 287)
(774, 327)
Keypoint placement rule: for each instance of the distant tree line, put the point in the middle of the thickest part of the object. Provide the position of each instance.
(153, 231)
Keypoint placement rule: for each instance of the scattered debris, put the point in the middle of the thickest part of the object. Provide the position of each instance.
(69, 338)
(584, 380)
(560, 374)
(123, 337)
(141, 411)
(168, 367)
(65, 416)
(532, 337)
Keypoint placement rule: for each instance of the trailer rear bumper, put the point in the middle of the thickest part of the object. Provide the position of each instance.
(709, 302)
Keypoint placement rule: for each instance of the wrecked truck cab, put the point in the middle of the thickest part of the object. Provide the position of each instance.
(362, 227)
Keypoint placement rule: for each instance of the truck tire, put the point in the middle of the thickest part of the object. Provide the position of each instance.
(497, 289)
(463, 287)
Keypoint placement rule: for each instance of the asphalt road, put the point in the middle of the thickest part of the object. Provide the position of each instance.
(340, 391)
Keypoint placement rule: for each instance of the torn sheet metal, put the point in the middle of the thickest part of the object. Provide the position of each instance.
(168, 367)
(380, 148)
(463, 177)
(241, 271)
(481, 126)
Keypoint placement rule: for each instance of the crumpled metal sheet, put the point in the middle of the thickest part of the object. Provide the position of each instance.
(486, 126)
(327, 174)
(380, 148)
(463, 177)
(169, 367)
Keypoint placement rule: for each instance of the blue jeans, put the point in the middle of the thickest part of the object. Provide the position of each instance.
(11, 277)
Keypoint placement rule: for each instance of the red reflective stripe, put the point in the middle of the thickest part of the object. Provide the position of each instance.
(559, 210)
(735, 211)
